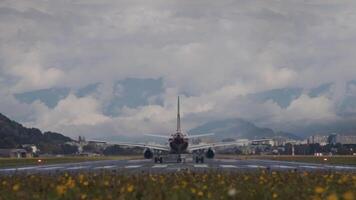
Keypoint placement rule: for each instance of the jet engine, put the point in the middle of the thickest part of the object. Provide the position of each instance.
(148, 154)
(210, 153)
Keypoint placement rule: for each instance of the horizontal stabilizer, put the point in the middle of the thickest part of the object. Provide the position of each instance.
(160, 136)
(211, 145)
(142, 145)
(200, 135)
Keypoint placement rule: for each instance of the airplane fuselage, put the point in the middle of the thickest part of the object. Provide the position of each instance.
(178, 144)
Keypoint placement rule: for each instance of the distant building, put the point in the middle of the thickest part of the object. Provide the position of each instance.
(318, 139)
(342, 139)
(14, 153)
(97, 143)
(31, 148)
(242, 142)
(263, 142)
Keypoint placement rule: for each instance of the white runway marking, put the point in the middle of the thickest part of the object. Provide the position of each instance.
(105, 167)
(9, 169)
(49, 168)
(135, 161)
(226, 160)
(228, 166)
(78, 167)
(312, 167)
(255, 166)
(343, 167)
(201, 166)
(26, 168)
(132, 166)
(283, 166)
(159, 166)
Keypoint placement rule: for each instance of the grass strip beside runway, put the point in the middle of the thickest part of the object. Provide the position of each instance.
(333, 160)
(181, 185)
(17, 162)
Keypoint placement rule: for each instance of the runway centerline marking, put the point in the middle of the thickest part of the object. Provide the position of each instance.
(159, 166)
(283, 166)
(201, 166)
(226, 160)
(105, 167)
(135, 161)
(27, 168)
(343, 167)
(255, 166)
(228, 166)
(311, 167)
(132, 166)
(77, 167)
(9, 169)
(50, 168)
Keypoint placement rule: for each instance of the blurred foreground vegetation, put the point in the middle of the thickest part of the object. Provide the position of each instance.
(181, 185)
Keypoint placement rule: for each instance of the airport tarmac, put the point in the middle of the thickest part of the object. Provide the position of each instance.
(150, 166)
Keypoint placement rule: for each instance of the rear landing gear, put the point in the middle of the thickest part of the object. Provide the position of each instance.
(158, 160)
(199, 159)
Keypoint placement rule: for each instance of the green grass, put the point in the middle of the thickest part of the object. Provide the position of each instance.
(337, 160)
(186, 185)
(15, 162)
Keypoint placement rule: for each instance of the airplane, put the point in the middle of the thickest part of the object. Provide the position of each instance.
(178, 144)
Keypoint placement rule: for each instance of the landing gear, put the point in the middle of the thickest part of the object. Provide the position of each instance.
(158, 160)
(179, 159)
(199, 159)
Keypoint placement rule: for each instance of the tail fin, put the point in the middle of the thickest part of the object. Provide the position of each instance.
(178, 118)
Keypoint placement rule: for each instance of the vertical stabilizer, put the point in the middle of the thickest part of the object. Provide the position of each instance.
(178, 118)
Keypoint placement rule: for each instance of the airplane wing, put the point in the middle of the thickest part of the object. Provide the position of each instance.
(210, 145)
(160, 136)
(143, 145)
(199, 135)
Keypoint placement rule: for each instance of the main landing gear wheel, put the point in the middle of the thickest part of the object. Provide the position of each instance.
(199, 159)
(158, 159)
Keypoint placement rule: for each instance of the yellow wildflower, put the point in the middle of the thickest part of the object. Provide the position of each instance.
(130, 188)
(200, 193)
(332, 197)
(319, 190)
(61, 189)
(348, 195)
(16, 187)
(275, 195)
(83, 196)
(231, 192)
(106, 183)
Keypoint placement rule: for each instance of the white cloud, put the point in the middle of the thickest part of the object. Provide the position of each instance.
(309, 110)
(214, 52)
(71, 111)
(31, 74)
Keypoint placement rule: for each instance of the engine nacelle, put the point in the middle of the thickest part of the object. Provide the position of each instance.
(210, 153)
(148, 154)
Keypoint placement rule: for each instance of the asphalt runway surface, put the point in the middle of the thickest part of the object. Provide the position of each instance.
(135, 166)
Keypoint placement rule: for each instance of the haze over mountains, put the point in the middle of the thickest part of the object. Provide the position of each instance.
(133, 93)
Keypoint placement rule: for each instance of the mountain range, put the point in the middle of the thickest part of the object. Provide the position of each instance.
(13, 135)
(238, 129)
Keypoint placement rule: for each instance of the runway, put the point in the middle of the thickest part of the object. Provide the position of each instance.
(149, 166)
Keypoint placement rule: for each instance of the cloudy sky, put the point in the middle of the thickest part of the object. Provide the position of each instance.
(109, 67)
